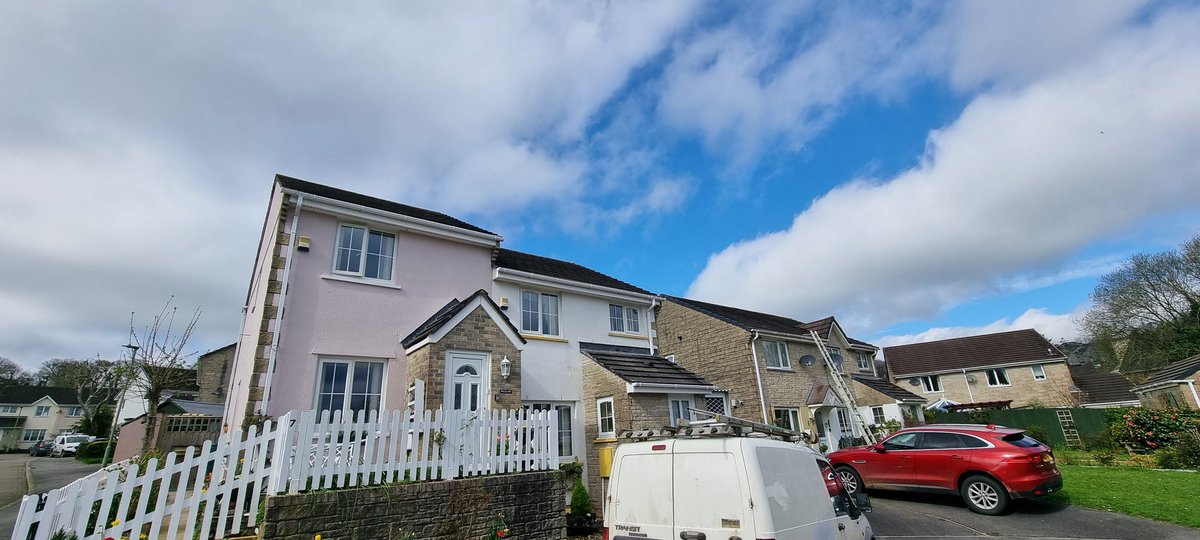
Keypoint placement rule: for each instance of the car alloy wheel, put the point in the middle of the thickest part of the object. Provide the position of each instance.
(984, 495)
(850, 479)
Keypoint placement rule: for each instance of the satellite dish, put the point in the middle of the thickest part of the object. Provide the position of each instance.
(837, 359)
(971, 379)
(915, 381)
(808, 360)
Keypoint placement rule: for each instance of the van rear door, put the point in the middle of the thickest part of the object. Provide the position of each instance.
(641, 505)
(711, 493)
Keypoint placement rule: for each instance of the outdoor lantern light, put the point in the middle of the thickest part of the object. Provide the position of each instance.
(505, 368)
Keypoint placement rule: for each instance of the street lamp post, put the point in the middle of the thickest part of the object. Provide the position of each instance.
(112, 430)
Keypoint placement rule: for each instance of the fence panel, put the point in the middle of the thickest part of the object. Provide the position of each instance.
(1089, 422)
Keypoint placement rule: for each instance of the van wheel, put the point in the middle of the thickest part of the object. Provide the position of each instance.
(850, 479)
(984, 495)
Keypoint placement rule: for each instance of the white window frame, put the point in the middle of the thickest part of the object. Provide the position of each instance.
(1039, 372)
(931, 384)
(9, 409)
(781, 352)
(558, 407)
(41, 410)
(864, 362)
(629, 317)
(541, 313)
(995, 374)
(75, 412)
(791, 414)
(724, 402)
(362, 253)
(40, 435)
(612, 418)
(347, 391)
(679, 407)
(878, 414)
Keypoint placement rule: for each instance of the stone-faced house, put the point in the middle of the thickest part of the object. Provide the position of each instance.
(212, 373)
(29, 414)
(1173, 386)
(771, 366)
(1017, 369)
(630, 388)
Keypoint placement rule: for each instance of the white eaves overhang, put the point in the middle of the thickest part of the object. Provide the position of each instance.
(520, 277)
(660, 388)
(393, 220)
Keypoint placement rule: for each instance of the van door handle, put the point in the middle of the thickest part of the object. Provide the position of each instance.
(692, 535)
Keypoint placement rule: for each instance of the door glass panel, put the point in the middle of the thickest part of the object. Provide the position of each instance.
(474, 396)
(458, 395)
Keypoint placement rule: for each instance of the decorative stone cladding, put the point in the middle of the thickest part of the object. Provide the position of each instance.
(270, 309)
(866, 396)
(212, 374)
(630, 411)
(531, 504)
(1170, 397)
(478, 332)
(1023, 390)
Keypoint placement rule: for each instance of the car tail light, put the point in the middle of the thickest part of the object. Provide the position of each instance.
(1040, 457)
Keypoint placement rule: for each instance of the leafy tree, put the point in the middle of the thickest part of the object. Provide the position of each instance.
(95, 383)
(12, 374)
(158, 363)
(1146, 314)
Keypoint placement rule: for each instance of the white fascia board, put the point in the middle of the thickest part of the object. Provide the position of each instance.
(1109, 404)
(462, 314)
(789, 337)
(396, 221)
(1058, 360)
(1157, 385)
(653, 388)
(587, 289)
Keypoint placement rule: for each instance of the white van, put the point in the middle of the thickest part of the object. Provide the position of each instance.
(68, 443)
(730, 487)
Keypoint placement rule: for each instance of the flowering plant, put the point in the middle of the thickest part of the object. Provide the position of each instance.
(1155, 428)
(497, 527)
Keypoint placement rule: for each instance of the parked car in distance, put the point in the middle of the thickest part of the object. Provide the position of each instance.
(41, 448)
(988, 466)
(67, 445)
(728, 487)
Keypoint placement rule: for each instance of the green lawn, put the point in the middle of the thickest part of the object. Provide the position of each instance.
(1168, 496)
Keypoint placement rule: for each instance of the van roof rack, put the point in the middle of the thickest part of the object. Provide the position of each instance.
(717, 425)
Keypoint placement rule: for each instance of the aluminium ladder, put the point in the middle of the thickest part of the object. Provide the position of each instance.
(841, 390)
(717, 425)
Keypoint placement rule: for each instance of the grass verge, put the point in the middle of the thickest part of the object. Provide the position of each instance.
(1169, 496)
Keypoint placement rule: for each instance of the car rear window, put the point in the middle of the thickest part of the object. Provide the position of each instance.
(1020, 439)
(81, 438)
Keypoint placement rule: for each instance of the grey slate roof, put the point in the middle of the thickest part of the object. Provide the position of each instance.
(26, 395)
(888, 389)
(448, 311)
(824, 328)
(545, 266)
(971, 352)
(1183, 369)
(645, 368)
(371, 202)
(183, 406)
(754, 320)
(1100, 387)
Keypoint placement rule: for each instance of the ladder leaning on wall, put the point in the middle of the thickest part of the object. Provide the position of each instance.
(840, 389)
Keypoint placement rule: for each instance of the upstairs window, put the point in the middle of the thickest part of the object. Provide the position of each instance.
(364, 252)
(997, 377)
(9, 409)
(539, 313)
(864, 362)
(1039, 372)
(41, 410)
(932, 383)
(75, 411)
(623, 319)
(776, 354)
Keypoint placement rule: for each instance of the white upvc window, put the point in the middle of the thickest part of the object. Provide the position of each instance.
(364, 252)
(997, 377)
(787, 418)
(864, 362)
(776, 354)
(539, 313)
(1039, 372)
(33, 435)
(624, 319)
(9, 409)
(565, 447)
(607, 422)
(41, 410)
(932, 383)
(349, 386)
(75, 411)
(878, 416)
(680, 409)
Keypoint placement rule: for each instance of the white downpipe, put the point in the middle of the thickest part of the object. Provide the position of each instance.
(650, 328)
(970, 394)
(762, 398)
(1195, 396)
(283, 287)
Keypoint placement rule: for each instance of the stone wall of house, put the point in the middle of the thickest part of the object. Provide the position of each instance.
(599, 383)
(1023, 390)
(477, 332)
(713, 349)
(212, 374)
(1168, 397)
(269, 309)
(866, 396)
(531, 505)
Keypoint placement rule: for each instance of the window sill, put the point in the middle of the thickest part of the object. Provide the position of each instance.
(540, 337)
(361, 281)
(611, 439)
(627, 335)
(783, 369)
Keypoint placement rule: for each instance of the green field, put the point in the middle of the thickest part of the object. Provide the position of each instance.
(1168, 496)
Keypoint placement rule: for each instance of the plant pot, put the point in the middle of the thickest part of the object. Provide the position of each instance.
(583, 525)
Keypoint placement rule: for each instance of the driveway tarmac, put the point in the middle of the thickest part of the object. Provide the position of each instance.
(919, 516)
(48, 473)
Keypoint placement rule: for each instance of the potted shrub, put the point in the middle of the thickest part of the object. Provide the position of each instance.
(580, 521)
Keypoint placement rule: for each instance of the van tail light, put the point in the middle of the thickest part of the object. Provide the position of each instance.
(606, 533)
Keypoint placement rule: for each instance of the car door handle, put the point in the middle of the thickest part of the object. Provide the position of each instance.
(956, 457)
(692, 535)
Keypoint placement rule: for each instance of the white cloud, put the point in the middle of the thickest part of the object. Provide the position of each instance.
(1054, 326)
(1017, 184)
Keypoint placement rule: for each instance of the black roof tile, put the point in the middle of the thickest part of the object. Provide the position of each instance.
(25, 395)
(1100, 387)
(1180, 370)
(645, 368)
(971, 352)
(448, 311)
(545, 266)
(888, 389)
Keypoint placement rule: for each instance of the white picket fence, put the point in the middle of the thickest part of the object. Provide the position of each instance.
(217, 492)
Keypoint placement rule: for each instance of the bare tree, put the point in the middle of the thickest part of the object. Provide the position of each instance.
(95, 382)
(12, 374)
(158, 363)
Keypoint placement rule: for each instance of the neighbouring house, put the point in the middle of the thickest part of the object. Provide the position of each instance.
(634, 389)
(133, 399)
(1100, 389)
(771, 366)
(181, 423)
(212, 374)
(1015, 369)
(884, 402)
(29, 414)
(1172, 386)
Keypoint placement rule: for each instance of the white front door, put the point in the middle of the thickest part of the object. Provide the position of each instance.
(466, 385)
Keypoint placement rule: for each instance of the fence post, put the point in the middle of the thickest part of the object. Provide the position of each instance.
(279, 456)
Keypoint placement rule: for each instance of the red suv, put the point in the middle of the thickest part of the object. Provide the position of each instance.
(987, 465)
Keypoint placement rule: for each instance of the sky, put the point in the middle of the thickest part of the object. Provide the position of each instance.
(920, 171)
